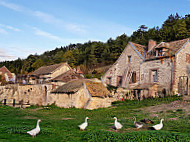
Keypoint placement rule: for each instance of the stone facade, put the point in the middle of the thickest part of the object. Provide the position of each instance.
(164, 72)
(127, 63)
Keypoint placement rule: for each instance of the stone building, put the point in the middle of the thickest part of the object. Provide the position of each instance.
(139, 68)
(7, 75)
(66, 77)
(82, 93)
(46, 73)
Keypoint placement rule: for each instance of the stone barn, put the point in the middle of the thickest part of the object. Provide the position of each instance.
(82, 93)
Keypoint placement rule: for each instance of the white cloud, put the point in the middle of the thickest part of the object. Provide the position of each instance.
(11, 6)
(10, 28)
(5, 56)
(46, 34)
(45, 17)
(2, 31)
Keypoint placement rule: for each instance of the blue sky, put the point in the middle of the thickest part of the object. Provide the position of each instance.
(35, 26)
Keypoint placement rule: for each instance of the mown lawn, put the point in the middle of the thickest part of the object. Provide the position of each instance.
(59, 124)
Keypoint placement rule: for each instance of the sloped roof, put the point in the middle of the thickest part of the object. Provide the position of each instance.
(140, 48)
(174, 46)
(4, 70)
(70, 87)
(68, 76)
(48, 69)
(96, 89)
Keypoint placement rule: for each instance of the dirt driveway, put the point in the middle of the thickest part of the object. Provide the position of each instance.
(176, 105)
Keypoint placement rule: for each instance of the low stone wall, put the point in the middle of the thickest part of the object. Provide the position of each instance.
(25, 95)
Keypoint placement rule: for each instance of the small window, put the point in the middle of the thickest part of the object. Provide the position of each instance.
(134, 77)
(109, 80)
(119, 80)
(188, 58)
(142, 76)
(160, 52)
(129, 59)
(154, 76)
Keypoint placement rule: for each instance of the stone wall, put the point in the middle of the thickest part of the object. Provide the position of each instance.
(26, 94)
(182, 66)
(96, 102)
(164, 72)
(78, 99)
(59, 71)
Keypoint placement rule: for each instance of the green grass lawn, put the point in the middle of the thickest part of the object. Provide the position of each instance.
(59, 124)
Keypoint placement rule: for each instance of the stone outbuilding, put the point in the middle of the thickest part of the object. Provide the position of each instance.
(82, 93)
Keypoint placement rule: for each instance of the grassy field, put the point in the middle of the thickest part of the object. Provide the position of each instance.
(59, 124)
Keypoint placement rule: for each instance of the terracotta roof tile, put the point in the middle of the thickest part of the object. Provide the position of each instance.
(4, 70)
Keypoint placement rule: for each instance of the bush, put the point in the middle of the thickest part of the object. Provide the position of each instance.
(142, 136)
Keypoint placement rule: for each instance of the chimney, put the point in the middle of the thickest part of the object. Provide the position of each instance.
(151, 44)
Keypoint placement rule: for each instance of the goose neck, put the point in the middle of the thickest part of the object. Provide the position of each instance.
(86, 120)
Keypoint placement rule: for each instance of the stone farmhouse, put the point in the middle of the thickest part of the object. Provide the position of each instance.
(7, 75)
(56, 74)
(158, 69)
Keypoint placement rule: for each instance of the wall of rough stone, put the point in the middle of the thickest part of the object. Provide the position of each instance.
(164, 72)
(121, 64)
(96, 102)
(59, 71)
(182, 67)
(77, 100)
(26, 94)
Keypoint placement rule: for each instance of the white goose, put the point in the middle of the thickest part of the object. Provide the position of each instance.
(158, 126)
(36, 130)
(84, 125)
(117, 124)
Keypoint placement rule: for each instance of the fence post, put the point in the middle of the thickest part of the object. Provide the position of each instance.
(13, 102)
(4, 101)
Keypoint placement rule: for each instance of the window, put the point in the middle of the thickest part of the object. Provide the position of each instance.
(154, 76)
(160, 52)
(142, 76)
(109, 80)
(188, 58)
(119, 80)
(129, 59)
(134, 78)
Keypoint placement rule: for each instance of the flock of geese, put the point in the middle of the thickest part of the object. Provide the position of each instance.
(117, 125)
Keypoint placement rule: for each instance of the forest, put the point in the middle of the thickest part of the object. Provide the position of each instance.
(93, 54)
